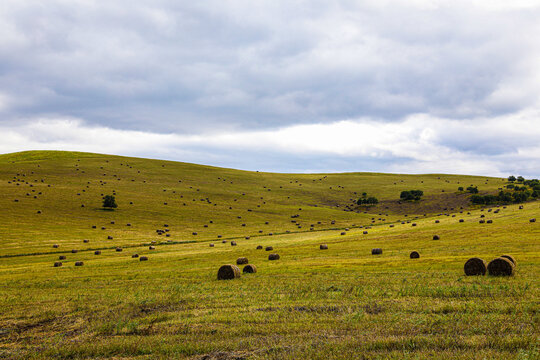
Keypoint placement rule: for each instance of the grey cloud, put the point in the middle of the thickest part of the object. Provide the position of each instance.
(191, 67)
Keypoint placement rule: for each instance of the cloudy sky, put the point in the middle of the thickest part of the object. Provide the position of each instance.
(419, 86)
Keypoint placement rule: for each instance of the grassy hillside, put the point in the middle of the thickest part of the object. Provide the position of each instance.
(332, 304)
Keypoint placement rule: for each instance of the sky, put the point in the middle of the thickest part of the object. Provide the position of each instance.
(419, 86)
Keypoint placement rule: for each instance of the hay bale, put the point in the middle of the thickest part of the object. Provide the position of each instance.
(461, 220)
(250, 269)
(376, 251)
(323, 247)
(97, 252)
(259, 247)
(511, 258)
(475, 266)
(532, 220)
(269, 248)
(273, 257)
(413, 224)
(228, 272)
(86, 241)
(500, 266)
(118, 249)
(242, 261)
(55, 246)
(79, 263)
(436, 237)
(74, 251)
(365, 232)
(194, 233)
(57, 264)
(62, 257)
(233, 243)
(482, 221)
(414, 255)
(211, 245)
(151, 247)
(109, 237)
(489, 222)
(143, 258)
(135, 256)
(247, 237)
(343, 233)
(224, 241)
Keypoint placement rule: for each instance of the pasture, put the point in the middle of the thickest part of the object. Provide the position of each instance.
(336, 303)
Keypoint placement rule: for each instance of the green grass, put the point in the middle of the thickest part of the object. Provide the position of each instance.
(340, 303)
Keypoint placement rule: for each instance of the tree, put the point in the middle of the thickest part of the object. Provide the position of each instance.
(472, 189)
(511, 178)
(411, 195)
(460, 188)
(520, 179)
(109, 202)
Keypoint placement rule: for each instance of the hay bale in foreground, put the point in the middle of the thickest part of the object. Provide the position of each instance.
(143, 258)
(511, 258)
(259, 247)
(475, 266)
(233, 243)
(500, 267)
(211, 245)
(55, 246)
(134, 256)
(414, 255)
(242, 260)
(57, 264)
(250, 269)
(323, 247)
(151, 248)
(118, 249)
(436, 237)
(62, 257)
(97, 252)
(376, 251)
(228, 272)
(79, 263)
(532, 220)
(269, 248)
(273, 257)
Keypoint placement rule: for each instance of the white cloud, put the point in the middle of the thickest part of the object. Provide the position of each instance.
(419, 143)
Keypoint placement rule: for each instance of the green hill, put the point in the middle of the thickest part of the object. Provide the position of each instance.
(333, 304)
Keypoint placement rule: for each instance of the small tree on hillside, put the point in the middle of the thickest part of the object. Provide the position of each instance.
(511, 178)
(109, 202)
(411, 195)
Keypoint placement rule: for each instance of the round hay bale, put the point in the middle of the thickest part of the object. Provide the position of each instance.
(436, 237)
(151, 248)
(259, 247)
(482, 221)
(55, 246)
(269, 248)
(86, 241)
(97, 252)
(224, 241)
(365, 232)
(219, 236)
(109, 237)
(461, 220)
(376, 251)
(74, 251)
(143, 258)
(228, 272)
(489, 222)
(413, 224)
(273, 257)
(414, 255)
(247, 237)
(532, 220)
(343, 233)
(233, 243)
(118, 249)
(194, 233)
(500, 267)
(211, 245)
(475, 266)
(62, 257)
(323, 247)
(79, 263)
(250, 269)
(57, 264)
(242, 261)
(511, 258)
(437, 221)
(135, 256)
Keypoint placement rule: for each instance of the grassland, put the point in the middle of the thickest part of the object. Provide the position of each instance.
(340, 303)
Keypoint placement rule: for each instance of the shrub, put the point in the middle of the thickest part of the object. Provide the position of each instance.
(472, 189)
(511, 178)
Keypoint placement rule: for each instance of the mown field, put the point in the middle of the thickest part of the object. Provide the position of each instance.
(340, 303)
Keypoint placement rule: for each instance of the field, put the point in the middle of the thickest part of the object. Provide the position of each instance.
(340, 303)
